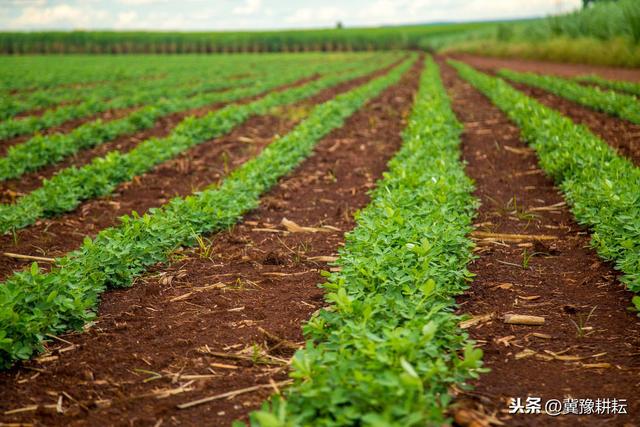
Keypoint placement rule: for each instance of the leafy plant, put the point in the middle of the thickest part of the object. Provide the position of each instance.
(69, 187)
(33, 303)
(615, 103)
(601, 187)
(619, 85)
(388, 348)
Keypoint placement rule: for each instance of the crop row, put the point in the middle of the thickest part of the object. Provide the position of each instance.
(70, 186)
(29, 73)
(45, 98)
(10, 106)
(619, 85)
(150, 92)
(601, 187)
(388, 348)
(608, 101)
(33, 304)
(47, 149)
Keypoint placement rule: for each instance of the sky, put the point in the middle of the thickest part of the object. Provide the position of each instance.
(215, 15)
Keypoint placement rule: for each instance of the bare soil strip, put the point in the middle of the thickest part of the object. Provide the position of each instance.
(196, 323)
(588, 346)
(195, 169)
(622, 135)
(543, 67)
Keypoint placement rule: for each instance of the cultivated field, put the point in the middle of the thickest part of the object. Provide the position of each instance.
(373, 238)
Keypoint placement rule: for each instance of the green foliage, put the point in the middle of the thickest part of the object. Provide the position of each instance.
(619, 52)
(151, 91)
(617, 104)
(193, 72)
(42, 150)
(326, 40)
(608, 33)
(602, 188)
(387, 349)
(33, 304)
(621, 86)
(69, 187)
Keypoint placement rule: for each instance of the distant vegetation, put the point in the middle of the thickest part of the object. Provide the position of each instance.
(338, 39)
(604, 32)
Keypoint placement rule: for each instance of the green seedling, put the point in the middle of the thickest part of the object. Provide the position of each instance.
(582, 322)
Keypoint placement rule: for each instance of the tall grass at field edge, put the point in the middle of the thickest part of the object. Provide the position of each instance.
(618, 52)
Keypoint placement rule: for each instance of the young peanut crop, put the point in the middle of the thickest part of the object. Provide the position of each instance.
(33, 304)
(602, 188)
(615, 103)
(69, 187)
(389, 346)
(42, 150)
(619, 85)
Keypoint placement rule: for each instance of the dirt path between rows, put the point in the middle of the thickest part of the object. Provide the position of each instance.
(196, 168)
(622, 135)
(588, 346)
(249, 296)
(543, 67)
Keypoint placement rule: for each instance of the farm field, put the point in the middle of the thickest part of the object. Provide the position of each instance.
(338, 238)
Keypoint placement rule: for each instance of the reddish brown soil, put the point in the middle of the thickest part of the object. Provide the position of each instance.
(252, 291)
(622, 135)
(196, 168)
(565, 281)
(542, 67)
(65, 127)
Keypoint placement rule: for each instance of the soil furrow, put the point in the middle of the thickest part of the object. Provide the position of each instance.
(196, 168)
(588, 346)
(622, 135)
(244, 291)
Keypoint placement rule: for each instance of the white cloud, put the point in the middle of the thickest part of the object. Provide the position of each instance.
(59, 16)
(259, 14)
(126, 19)
(319, 16)
(250, 7)
(141, 2)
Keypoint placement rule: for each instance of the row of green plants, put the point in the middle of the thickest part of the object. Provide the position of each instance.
(42, 150)
(11, 106)
(601, 187)
(150, 91)
(23, 75)
(191, 72)
(388, 348)
(27, 73)
(618, 104)
(619, 85)
(69, 187)
(33, 303)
